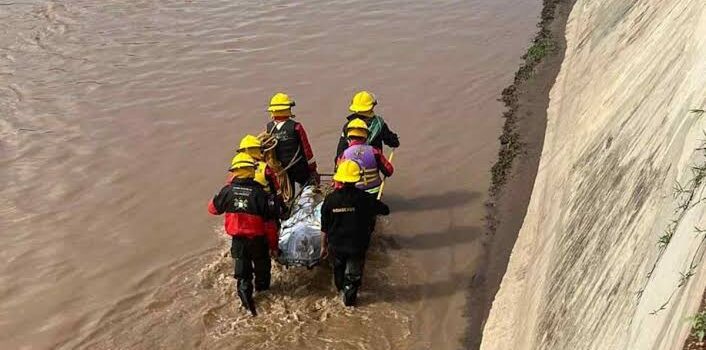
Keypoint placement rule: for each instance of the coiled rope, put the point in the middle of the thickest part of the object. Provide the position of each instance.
(269, 143)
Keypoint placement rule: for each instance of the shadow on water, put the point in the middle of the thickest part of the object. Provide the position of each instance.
(451, 199)
(432, 240)
(383, 291)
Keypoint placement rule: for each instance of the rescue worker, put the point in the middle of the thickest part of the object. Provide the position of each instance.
(246, 210)
(347, 215)
(362, 107)
(371, 159)
(265, 176)
(293, 149)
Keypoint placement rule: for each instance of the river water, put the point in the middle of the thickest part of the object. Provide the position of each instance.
(117, 121)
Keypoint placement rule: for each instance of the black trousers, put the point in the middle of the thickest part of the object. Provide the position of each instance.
(299, 173)
(348, 275)
(251, 257)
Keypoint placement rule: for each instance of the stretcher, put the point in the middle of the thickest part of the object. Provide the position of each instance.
(300, 234)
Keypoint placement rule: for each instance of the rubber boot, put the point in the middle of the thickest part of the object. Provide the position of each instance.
(350, 295)
(352, 279)
(247, 302)
(245, 294)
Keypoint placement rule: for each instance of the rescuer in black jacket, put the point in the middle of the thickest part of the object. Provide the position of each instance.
(378, 132)
(247, 211)
(347, 219)
(293, 149)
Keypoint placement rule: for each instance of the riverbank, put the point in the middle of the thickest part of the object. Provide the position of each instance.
(610, 252)
(526, 101)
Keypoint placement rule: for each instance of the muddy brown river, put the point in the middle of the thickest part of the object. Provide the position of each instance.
(117, 121)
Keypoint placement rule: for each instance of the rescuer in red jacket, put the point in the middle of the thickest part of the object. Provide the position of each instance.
(246, 209)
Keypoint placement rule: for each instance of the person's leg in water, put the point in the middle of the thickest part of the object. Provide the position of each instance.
(243, 272)
(263, 265)
(352, 279)
(339, 270)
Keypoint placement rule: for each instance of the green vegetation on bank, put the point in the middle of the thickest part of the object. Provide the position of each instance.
(687, 196)
(698, 325)
(510, 144)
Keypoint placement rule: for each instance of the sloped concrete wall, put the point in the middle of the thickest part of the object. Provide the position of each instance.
(616, 174)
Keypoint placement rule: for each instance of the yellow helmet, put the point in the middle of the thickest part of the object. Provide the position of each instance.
(357, 127)
(280, 102)
(363, 101)
(347, 171)
(242, 160)
(249, 141)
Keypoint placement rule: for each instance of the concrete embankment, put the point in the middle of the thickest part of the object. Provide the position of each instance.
(610, 254)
